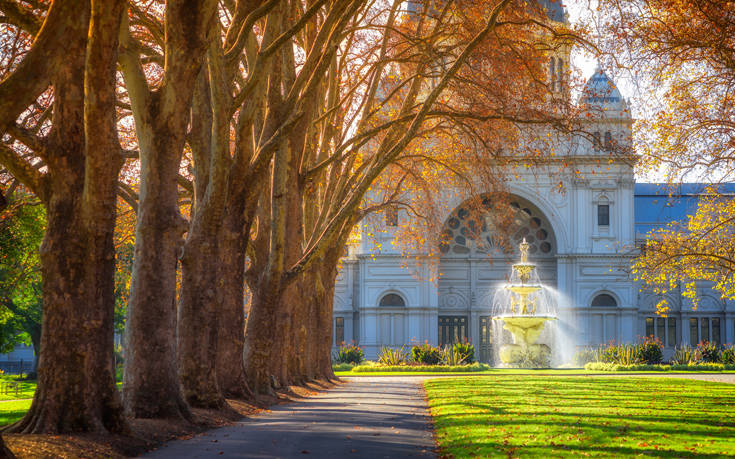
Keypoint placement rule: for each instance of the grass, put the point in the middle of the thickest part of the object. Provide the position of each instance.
(27, 388)
(13, 411)
(553, 417)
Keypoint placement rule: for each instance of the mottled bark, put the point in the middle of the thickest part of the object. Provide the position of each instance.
(230, 307)
(151, 386)
(76, 377)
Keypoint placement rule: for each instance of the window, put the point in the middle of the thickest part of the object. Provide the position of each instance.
(604, 300)
(693, 331)
(603, 215)
(560, 73)
(716, 337)
(552, 74)
(608, 140)
(663, 328)
(391, 216)
(452, 329)
(672, 332)
(649, 326)
(339, 331)
(597, 142)
(392, 299)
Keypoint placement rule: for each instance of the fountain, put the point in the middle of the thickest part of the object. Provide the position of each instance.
(524, 308)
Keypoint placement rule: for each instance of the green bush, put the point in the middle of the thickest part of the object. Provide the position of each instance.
(342, 367)
(349, 354)
(586, 355)
(651, 351)
(727, 354)
(710, 352)
(467, 350)
(421, 368)
(684, 355)
(602, 366)
(388, 356)
(426, 354)
(452, 356)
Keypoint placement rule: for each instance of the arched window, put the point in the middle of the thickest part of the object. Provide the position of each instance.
(392, 299)
(552, 74)
(597, 143)
(608, 140)
(604, 300)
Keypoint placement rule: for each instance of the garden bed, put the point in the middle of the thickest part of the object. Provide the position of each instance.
(696, 367)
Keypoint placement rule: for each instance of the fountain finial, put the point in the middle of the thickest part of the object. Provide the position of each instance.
(524, 246)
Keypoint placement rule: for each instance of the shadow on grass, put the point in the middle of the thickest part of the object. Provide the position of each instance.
(548, 417)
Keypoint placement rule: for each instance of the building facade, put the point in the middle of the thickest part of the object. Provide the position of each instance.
(582, 239)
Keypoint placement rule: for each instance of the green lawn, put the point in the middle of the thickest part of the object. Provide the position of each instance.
(25, 389)
(13, 411)
(550, 417)
(518, 371)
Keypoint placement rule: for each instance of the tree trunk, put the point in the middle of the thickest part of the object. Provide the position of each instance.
(230, 307)
(151, 387)
(76, 376)
(197, 326)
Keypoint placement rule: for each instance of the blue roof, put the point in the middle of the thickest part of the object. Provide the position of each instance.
(657, 204)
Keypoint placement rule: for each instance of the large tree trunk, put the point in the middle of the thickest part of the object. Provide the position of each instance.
(230, 307)
(197, 326)
(151, 386)
(76, 377)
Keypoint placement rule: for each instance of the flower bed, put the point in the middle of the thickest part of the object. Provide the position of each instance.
(603, 366)
(374, 368)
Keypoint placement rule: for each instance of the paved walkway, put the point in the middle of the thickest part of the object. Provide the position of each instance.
(368, 418)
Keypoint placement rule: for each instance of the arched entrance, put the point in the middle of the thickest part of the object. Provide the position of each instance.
(479, 242)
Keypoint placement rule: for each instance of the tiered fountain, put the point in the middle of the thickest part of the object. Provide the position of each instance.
(524, 308)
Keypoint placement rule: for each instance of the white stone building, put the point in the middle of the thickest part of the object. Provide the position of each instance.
(582, 240)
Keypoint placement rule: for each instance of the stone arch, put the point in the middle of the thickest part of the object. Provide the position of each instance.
(391, 299)
(474, 260)
(601, 295)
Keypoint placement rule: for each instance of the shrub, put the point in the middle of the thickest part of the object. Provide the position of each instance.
(388, 356)
(342, 367)
(727, 354)
(467, 350)
(585, 356)
(365, 368)
(684, 355)
(651, 351)
(710, 352)
(426, 354)
(452, 356)
(349, 354)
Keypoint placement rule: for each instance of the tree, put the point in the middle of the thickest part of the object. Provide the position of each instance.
(682, 53)
(21, 231)
(151, 386)
(74, 50)
(409, 83)
(691, 252)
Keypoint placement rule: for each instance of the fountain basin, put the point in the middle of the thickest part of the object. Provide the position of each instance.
(524, 289)
(525, 329)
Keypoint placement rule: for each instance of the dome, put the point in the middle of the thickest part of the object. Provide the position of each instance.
(602, 97)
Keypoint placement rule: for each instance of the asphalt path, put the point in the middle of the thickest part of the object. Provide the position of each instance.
(368, 418)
